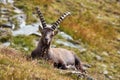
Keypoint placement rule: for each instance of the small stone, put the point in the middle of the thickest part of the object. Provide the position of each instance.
(99, 58)
(118, 52)
(65, 36)
(105, 53)
(82, 50)
(105, 72)
(87, 65)
(58, 0)
(118, 38)
(90, 78)
(112, 66)
(104, 66)
(26, 49)
(109, 77)
(93, 54)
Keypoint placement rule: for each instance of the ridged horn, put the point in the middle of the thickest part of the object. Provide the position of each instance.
(62, 17)
(40, 15)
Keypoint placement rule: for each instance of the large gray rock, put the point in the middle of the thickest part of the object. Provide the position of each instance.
(72, 45)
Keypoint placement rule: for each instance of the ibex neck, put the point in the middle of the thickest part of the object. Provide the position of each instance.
(43, 48)
(42, 45)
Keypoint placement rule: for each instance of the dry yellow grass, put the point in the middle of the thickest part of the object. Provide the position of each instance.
(13, 66)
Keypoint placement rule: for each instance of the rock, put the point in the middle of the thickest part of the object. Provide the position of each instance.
(90, 78)
(3, 10)
(105, 72)
(58, 0)
(69, 44)
(16, 10)
(6, 44)
(108, 76)
(82, 50)
(21, 19)
(112, 65)
(7, 25)
(26, 48)
(99, 58)
(37, 34)
(105, 53)
(3, 1)
(65, 43)
(104, 66)
(66, 36)
(118, 52)
(6, 1)
(93, 54)
(27, 30)
(87, 65)
(118, 38)
(10, 1)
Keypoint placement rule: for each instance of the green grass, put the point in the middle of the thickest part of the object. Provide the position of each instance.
(23, 43)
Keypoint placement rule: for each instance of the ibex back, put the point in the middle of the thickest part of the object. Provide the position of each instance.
(61, 58)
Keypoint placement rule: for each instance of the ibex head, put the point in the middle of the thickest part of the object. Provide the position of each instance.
(49, 32)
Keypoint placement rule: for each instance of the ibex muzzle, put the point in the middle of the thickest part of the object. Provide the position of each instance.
(47, 35)
(60, 57)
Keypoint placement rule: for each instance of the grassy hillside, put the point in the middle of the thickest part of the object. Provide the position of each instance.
(94, 23)
(14, 66)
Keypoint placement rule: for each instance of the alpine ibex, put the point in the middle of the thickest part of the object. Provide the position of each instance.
(60, 57)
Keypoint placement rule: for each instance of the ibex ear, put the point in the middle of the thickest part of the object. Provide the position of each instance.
(40, 28)
(56, 32)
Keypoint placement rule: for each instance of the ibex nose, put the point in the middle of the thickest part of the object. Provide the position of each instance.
(46, 39)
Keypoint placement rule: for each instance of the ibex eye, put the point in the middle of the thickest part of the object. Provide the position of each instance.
(52, 34)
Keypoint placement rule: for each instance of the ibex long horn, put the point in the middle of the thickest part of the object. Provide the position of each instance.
(41, 17)
(62, 17)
